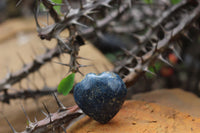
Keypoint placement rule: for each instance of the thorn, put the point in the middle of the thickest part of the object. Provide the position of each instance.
(187, 36)
(60, 41)
(163, 29)
(144, 49)
(147, 70)
(126, 51)
(80, 24)
(84, 65)
(92, 12)
(80, 72)
(61, 63)
(25, 103)
(90, 18)
(176, 52)
(44, 113)
(139, 38)
(128, 68)
(78, 57)
(60, 105)
(49, 114)
(12, 128)
(9, 73)
(179, 43)
(165, 61)
(195, 25)
(35, 120)
(106, 4)
(59, 49)
(64, 129)
(18, 3)
(26, 115)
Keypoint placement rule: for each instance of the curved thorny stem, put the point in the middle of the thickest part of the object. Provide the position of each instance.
(151, 45)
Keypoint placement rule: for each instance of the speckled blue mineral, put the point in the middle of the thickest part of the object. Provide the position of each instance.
(100, 96)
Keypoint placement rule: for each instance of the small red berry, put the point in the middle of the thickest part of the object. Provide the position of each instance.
(166, 71)
(172, 58)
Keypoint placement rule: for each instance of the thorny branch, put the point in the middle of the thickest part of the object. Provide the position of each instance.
(27, 69)
(55, 120)
(13, 78)
(24, 94)
(16, 77)
(143, 62)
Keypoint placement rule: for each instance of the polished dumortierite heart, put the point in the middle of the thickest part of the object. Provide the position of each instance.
(100, 96)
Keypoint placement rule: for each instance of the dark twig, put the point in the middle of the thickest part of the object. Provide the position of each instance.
(24, 94)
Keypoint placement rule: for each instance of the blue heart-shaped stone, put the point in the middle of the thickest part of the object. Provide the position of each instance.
(100, 96)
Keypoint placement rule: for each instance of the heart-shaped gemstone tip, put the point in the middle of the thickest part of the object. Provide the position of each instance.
(100, 96)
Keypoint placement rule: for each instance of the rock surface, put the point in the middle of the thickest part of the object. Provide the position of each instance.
(141, 117)
(178, 99)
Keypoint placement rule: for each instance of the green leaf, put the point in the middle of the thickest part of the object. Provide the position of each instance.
(148, 1)
(57, 8)
(175, 1)
(66, 84)
(27, 122)
(157, 68)
(42, 7)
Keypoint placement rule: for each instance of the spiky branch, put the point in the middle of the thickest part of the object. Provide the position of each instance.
(54, 121)
(158, 47)
(39, 61)
(25, 94)
(135, 69)
(27, 69)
